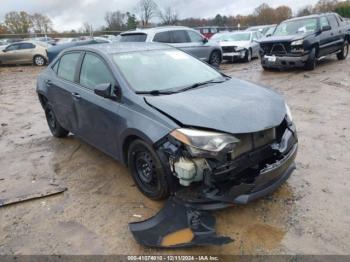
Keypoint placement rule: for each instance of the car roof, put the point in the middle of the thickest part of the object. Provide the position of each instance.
(121, 47)
(311, 16)
(156, 29)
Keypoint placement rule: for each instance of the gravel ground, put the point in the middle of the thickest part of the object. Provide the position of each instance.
(310, 214)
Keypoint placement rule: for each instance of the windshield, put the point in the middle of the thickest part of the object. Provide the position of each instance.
(161, 70)
(133, 38)
(232, 37)
(296, 27)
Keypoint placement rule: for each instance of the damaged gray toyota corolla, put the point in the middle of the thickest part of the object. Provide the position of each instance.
(183, 128)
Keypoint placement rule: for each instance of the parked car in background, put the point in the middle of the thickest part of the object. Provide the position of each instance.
(53, 51)
(178, 124)
(184, 38)
(238, 44)
(302, 41)
(26, 52)
(46, 39)
(208, 31)
(112, 38)
(263, 29)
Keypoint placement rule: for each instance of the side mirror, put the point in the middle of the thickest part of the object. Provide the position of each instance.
(4, 50)
(268, 35)
(326, 28)
(205, 40)
(103, 90)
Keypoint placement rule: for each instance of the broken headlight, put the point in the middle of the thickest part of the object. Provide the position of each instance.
(297, 42)
(289, 114)
(199, 142)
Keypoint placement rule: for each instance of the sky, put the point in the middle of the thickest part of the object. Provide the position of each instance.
(71, 14)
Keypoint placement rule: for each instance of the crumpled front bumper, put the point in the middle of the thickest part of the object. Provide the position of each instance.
(282, 62)
(265, 182)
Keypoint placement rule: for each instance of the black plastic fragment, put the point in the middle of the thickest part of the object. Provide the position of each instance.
(175, 216)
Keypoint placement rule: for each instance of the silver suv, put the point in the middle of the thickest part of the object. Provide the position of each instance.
(184, 38)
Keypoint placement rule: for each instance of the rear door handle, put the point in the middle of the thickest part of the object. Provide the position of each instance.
(76, 95)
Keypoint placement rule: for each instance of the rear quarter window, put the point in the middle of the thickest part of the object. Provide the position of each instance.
(67, 66)
(133, 38)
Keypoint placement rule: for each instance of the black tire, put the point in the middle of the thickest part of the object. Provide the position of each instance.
(56, 129)
(344, 52)
(147, 170)
(215, 58)
(311, 61)
(248, 55)
(39, 60)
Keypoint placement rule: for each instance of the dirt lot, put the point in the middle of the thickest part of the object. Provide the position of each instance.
(310, 214)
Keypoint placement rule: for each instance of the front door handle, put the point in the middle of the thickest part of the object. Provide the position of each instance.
(76, 95)
(48, 83)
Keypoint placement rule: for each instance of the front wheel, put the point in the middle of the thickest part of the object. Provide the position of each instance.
(56, 129)
(147, 170)
(215, 58)
(248, 56)
(344, 52)
(311, 61)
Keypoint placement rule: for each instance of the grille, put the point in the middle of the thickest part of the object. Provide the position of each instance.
(227, 49)
(276, 48)
(249, 142)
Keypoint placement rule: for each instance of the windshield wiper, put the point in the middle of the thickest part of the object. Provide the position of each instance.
(202, 84)
(156, 92)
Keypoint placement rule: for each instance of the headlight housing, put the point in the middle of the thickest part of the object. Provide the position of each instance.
(200, 142)
(288, 112)
(239, 49)
(297, 42)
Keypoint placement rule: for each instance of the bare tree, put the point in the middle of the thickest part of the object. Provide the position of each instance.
(147, 9)
(306, 10)
(86, 28)
(41, 23)
(115, 20)
(18, 22)
(168, 16)
(282, 13)
(323, 6)
(3, 29)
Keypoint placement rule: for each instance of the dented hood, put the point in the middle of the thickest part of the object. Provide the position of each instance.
(234, 106)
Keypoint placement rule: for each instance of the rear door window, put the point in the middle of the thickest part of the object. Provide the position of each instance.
(162, 37)
(333, 21)
(68, 65)
(27, 46)
(179, 36)
(133, 38)
(94, 72)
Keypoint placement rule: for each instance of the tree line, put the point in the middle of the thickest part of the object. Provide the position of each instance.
(147, 13)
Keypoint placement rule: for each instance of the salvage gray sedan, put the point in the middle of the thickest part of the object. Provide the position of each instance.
(182, 127)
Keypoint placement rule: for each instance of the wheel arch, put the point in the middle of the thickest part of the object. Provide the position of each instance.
(128, 138)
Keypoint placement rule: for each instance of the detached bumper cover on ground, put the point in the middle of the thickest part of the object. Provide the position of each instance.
(177, 226)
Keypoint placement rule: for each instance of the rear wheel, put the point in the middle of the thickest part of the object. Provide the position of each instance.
(311, 61)
(215, 58)
(56, 129)
(147, 170)
(344, 52)
(39, 60)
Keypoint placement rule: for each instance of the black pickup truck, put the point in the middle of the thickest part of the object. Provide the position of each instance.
(302, 41)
